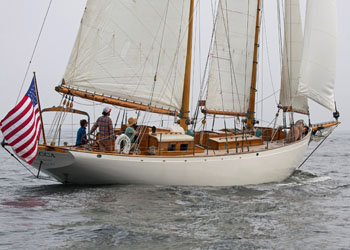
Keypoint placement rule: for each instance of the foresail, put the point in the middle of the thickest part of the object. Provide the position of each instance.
(318, 67)
(132, 50)
(231, 66)
(292, 54)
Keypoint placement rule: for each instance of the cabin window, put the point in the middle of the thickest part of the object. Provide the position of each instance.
(171, 147)
(183, 147)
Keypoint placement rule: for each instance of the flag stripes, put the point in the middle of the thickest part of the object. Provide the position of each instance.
(21, 127)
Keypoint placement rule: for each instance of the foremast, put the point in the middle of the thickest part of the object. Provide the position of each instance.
(185, 108)
(251, 107)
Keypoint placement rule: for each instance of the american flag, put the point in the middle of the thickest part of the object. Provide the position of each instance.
(21, 127)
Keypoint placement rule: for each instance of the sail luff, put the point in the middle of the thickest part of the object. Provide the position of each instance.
(290, 99)
(185, 107)
(318, 67)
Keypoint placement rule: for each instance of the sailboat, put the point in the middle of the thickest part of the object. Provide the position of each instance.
(138, 55)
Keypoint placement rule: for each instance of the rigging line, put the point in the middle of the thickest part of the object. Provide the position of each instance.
(246, 52)
(60, 121)
(269, 61)
(146, 54)
(143, 130)
(262, 71)
(316, 147)
(199, 46)
(218, 61)
(36, 45)
(4, 147)
(204, 80)
(280, 36)
(177, 58)
(54, 119)
(289, 55)
(286, 51)
(194, 61)
(36, 177)
(232, 69)
(160, 51)
(197, 39)
(204, 83)
(116, 120)
(175, 62)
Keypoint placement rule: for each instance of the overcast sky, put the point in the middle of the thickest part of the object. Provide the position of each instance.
(20, 23)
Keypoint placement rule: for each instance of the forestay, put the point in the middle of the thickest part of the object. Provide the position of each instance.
(232, 60)
(292, 54)
(318, 67)
(122, 45)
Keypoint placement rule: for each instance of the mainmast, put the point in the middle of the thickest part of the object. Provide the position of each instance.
(251, 108)
(185, 108)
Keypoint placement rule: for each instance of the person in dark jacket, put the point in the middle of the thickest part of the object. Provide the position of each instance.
(81, 134)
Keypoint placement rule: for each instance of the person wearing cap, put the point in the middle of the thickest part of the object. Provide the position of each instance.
(131, 129)
(104, 123)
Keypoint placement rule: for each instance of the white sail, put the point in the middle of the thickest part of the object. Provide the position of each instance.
(232, 60)
(122, 45)
(292, 54)
(318, 68)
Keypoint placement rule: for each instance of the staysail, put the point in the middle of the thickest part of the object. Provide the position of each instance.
(132, 50)
(318, 67)
(232, 59)
(290, 98)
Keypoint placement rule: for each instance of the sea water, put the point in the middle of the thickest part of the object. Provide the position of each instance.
(310, 210)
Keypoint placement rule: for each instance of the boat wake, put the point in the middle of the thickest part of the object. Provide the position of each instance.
(302, 177)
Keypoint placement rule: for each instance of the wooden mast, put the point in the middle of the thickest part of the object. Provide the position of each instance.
(185, 108)
(251, 108)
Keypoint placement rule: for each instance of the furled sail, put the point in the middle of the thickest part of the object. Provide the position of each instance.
(292, 54)
(232, 59)
(318, 67)
(132, 50)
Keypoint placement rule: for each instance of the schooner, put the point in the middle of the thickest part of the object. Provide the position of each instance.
(138, 55)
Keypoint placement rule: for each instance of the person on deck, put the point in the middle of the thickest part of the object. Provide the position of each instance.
(131, 130)
(104, 123)
(81, 134)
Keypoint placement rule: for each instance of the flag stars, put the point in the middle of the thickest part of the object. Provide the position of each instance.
(31, 93)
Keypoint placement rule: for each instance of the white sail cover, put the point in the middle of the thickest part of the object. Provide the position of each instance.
(318, 67)
(232, 60)
(122, 44)
(292, 54)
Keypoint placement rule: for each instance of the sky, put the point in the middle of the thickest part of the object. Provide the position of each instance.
(20, 24)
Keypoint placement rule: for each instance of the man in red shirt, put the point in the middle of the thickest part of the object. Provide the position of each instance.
(104, 123)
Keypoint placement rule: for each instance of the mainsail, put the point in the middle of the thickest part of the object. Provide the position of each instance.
(232, 60)
(318, 67)
(132, 50)
(292, 54)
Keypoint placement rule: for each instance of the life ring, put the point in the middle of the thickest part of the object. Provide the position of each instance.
(127, 144)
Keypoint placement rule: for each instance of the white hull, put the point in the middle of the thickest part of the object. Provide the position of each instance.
(274, 165)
